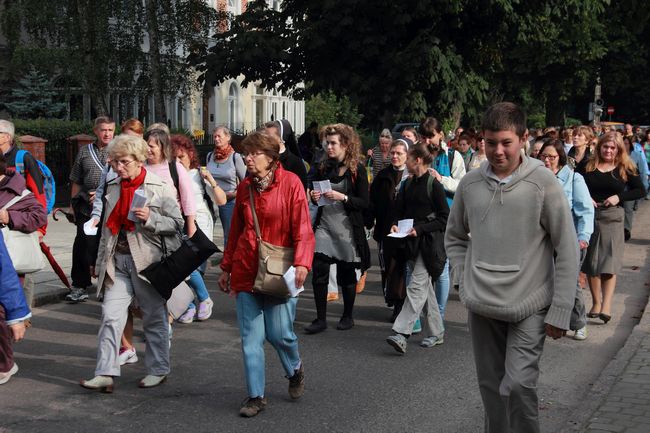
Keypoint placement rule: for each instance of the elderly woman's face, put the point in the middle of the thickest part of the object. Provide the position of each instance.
(257, 162)
(155, 152)
(126, 166)
(384, 143)
(220, 138)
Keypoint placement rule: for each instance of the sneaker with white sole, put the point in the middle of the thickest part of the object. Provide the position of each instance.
(188, 316)
(581, 334)
(205, 310)
(77, 294)
(4, 377)
(398, 341)
(432, 341)
(128, 356)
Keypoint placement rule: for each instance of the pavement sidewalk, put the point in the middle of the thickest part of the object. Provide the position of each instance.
(618, 401)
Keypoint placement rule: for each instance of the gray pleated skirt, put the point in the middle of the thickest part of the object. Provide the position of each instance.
(607, 243)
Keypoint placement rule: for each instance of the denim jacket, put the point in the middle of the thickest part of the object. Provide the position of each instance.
(580, 203)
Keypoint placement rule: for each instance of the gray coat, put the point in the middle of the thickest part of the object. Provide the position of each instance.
(144, 242)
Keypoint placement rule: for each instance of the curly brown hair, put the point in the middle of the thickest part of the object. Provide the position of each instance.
(350, 140)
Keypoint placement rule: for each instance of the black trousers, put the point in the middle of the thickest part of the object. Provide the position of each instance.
(346, 279)
(80, 272)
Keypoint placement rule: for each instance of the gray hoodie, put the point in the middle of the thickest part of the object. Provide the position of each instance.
(505, 269)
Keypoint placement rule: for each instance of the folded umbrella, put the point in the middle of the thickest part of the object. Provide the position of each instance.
(55, 266)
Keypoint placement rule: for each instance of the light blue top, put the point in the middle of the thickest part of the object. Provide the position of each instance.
(638, 157)
(582, 207)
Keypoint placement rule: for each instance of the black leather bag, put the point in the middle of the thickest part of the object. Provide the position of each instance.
(175, 267)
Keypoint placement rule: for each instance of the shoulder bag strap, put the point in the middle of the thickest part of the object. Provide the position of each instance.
(95, 157)
(16, 199)
(254, 212)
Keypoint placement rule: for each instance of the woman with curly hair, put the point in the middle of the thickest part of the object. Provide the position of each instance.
(612, 178)
(339, 229)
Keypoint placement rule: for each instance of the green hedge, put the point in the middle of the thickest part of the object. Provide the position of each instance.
(53, 130)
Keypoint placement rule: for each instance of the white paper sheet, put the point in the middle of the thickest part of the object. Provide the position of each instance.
(323, 186)
(290, 279)
(139, 201)
(89, 230)
(403, 228)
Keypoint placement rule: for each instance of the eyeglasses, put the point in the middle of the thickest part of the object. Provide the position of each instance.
(252, 154)
(123, 163)
(549, 157)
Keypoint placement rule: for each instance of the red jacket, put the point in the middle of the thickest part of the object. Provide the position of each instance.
(284, 220)
(33, 178)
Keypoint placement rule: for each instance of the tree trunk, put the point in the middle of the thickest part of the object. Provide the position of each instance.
(154, 63)
(91, 72)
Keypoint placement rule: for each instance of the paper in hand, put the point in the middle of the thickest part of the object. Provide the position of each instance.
(323, 186)
(290, 279)
(403, 228)
(89, 230)
(139, 201)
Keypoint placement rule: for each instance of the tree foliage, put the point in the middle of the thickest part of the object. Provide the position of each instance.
(325, 108)
(34, 98)
(450, 58)
(104, 46)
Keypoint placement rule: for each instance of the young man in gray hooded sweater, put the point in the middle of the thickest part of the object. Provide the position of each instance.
(508, 220)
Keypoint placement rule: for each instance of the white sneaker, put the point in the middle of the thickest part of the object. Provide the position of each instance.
(128, 356)
(4, 377)
(581, 334)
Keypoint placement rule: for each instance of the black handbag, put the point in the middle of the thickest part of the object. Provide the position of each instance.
(174, 268)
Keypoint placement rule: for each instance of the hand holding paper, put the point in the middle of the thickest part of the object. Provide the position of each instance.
(403, 228)
(290, 279)
(139, 201)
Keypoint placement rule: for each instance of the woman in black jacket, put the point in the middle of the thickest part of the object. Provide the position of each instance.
(421, 198)
(383, 193)
(339, 230)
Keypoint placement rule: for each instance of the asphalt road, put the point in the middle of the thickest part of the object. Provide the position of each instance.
(355, 382)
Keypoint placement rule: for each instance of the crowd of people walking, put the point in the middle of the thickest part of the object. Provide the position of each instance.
(507, 216)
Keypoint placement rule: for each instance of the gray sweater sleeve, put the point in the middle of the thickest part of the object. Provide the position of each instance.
(556, 218)
(457, 238)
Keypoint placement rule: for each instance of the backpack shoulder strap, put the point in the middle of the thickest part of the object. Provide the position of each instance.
(20, 161)
(450, 156)
(208, 158)
(174, 174)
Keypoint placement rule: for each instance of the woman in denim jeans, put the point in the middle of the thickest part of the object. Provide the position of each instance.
(575, 189)
(281, 209)
(228, 169)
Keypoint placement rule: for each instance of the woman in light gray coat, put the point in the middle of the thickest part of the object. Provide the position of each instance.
(131, 241)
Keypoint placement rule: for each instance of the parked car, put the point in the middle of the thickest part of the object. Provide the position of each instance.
(396, 132)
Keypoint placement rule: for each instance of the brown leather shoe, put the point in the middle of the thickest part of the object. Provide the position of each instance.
(297, 383)
(252, 406)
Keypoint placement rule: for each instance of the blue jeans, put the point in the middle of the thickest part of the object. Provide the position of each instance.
(197, 284)
(265, 317)
(225, 215)
(442, 289)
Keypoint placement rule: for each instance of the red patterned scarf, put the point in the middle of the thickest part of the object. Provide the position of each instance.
(223, 152)
(118, 218)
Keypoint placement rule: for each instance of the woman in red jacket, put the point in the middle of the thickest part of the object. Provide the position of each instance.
(281, 207)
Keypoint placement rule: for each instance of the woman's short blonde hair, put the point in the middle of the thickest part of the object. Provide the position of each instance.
(128, 145)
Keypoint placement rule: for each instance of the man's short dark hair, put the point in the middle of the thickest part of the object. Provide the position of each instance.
(504, 116)
(429, 127)
(101, 120)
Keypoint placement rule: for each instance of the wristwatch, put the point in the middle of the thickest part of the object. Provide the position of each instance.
(345, 198)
